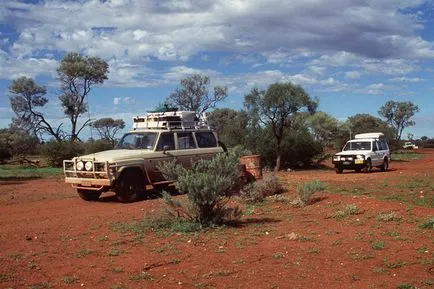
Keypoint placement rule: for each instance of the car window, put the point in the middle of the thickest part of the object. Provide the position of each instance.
(166, 139)
(205, 139)
(137, 141)
(358, 146)
(185, 140)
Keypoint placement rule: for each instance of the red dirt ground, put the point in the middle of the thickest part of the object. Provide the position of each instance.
(50, 238)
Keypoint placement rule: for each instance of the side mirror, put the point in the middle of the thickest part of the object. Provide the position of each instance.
(165, 148)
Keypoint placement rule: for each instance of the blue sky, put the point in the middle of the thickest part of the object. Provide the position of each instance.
(353, 55)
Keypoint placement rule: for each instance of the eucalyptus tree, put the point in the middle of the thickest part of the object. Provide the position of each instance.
(278, 108)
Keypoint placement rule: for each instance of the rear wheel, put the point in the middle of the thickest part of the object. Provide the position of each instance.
(385, 166)
(131, 187)
(89, 195)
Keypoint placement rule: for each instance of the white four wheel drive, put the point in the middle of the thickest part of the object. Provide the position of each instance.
(133, 165)
(365, 151)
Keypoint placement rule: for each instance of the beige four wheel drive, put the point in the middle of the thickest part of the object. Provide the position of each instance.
(132, 165)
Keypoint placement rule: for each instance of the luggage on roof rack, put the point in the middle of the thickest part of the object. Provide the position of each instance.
(168, 120)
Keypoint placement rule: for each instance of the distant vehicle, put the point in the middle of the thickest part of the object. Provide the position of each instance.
(365, 151)
(127, 170)
(409, 146)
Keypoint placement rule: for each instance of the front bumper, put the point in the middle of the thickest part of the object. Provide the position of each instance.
(349, 162)
(92, 180)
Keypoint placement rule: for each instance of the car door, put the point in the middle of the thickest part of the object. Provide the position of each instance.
(186, 151)
(164, 151)
(376, 158)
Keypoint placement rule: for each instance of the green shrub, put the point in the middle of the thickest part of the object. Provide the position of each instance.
(206, 184)
(257, 191)
(306, 190)
(428, 223)
(56, 152)
(99, 145)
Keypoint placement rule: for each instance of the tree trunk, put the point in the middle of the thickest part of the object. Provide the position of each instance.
(277, 167)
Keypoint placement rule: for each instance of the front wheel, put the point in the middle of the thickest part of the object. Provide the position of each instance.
(385, 166)
(368, 167)
(130, 187)
(339, 170)
(89, 195)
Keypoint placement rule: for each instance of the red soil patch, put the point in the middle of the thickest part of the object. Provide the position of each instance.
(50, 237)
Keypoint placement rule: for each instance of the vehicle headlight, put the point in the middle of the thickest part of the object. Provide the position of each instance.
(336, 158)
(88, 166)
(80, 165)
(350, 158)
(360, 157)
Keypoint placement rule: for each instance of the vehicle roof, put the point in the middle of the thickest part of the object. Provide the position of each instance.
(369, 135)
(171, 130)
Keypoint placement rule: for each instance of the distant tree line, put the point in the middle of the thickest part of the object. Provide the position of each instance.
(281, 122)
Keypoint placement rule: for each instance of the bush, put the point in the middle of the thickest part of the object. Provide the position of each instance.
(206, 184)
(94, 146)
(306, 190)
(56, 151)
(256, 192)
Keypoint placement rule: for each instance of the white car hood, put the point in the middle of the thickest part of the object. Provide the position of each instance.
(114, 155)
(346, 153)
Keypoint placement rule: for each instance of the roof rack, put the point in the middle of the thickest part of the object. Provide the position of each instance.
(374, 135)
(169, 120)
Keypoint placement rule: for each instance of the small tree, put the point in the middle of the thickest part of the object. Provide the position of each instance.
(324, 127)
(77, 75)
(108, 128)
(230, 125)
(26, 99)
(193, 94)
(207, 183)
(398, 115)
(278, 108)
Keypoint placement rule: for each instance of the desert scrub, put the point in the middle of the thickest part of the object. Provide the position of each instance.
(206, 184)
(428, 223)
(256, 192)
(349, 210)
(389, 217)
(306, 190)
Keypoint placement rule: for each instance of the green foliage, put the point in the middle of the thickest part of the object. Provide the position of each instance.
(14, 172)
(16, 143)
(298, 147)
(56, 152)
(428, 223)
(230, 125)
(26, 99)
(278, 108)
(256, 192)
(108, 128)
(207, 183)
(306, 190)
(77, 75)
(398, 115)
(94, 146)
(193, 94)
(349, 210)
(5, 150)
(324, 127)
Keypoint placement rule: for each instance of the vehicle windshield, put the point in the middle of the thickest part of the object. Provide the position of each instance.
(358, 146)
(138, 140)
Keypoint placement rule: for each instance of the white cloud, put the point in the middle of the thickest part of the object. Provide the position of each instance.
(407, 79)
(352, 74)
(378, 88)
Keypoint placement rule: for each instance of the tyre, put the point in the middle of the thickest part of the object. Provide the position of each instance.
(339, 170)
(89, 195)
(131, 187)
(385, 166)
(368, 167)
